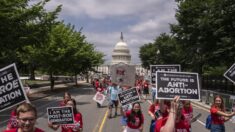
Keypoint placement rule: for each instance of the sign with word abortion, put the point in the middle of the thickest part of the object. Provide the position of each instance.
(128, 96)
(183, 84)
(169, 68)
(99, 98)
(230, 73)
(123, 74)
(60, 115)
(11, 89)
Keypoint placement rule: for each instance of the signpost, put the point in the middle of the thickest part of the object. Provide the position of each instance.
(230, 73)
(169, 68)
(60, 115)
(123, 74)
(128, 96)
(11, 89)
(183, 84)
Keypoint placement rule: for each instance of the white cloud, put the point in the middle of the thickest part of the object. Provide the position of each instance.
(102, 21)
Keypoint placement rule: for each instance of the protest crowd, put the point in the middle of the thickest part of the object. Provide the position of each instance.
(167, 115)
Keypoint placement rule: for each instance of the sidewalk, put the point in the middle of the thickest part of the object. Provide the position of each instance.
(45, 91)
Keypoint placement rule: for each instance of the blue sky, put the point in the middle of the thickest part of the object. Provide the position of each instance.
(141, 21)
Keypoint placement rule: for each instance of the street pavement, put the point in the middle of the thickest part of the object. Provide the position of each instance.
(95, 119)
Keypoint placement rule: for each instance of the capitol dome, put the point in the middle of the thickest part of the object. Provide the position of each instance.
(121, 53)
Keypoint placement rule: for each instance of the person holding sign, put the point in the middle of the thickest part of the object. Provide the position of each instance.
(175, 121)
(77, 126)
(218, 115)
(135, 119)
(26, 118)
(187, 111)
(125, 109)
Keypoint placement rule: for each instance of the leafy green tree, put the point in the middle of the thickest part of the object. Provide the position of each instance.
(24, 29)
(67, 52)
(162, 51)
(148, 55)
(205, 33)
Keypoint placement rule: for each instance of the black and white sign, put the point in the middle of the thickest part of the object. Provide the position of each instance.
(169, 68)
(128, 96)
(11, 89)
(230, 73)
(60, 115)
(183, 84)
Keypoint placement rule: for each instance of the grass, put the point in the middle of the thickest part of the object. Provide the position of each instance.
(30, 82)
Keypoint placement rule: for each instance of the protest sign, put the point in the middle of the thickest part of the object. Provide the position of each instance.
(230, 73)
(123, 74)
(183, 84)
(128, 96)
(99, 98)
(11, 89)
(60, 115)
(169, 68)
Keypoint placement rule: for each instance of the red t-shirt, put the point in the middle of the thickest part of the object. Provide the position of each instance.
(188, 114)
(97, 84)
(216, 119)
(15, 130)
(99, 89)
(138, 120)
(62, 103)
(72, 127)
(154, 107)
(146, 85)
(160, 123)
(181, 126)
(12, 123)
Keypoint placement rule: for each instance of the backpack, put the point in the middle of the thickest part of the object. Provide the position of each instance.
(208, 122)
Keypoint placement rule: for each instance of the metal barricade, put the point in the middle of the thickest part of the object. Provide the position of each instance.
(207, 96)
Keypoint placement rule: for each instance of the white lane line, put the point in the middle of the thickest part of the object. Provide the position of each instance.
(202, 123)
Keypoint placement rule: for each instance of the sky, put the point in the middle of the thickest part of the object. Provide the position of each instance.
(102, 21)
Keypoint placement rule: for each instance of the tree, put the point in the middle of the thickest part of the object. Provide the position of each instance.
(148, 55)
(163, 50)
(205, 31)
(23, 29)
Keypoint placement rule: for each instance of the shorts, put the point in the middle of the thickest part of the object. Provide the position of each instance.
(146, 91)
(217, 128)
(113, 102)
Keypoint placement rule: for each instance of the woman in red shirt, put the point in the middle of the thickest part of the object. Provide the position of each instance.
(135, 118)
(187, 111)
(67, 97)
(77, 126)
(218, 115)
(175, 121)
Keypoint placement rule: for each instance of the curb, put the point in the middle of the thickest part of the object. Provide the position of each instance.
(201, 104)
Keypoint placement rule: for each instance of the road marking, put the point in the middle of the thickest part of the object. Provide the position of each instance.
(201, 122)
(104, 119)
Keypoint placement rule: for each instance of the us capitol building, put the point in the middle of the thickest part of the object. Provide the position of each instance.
(121, 54)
